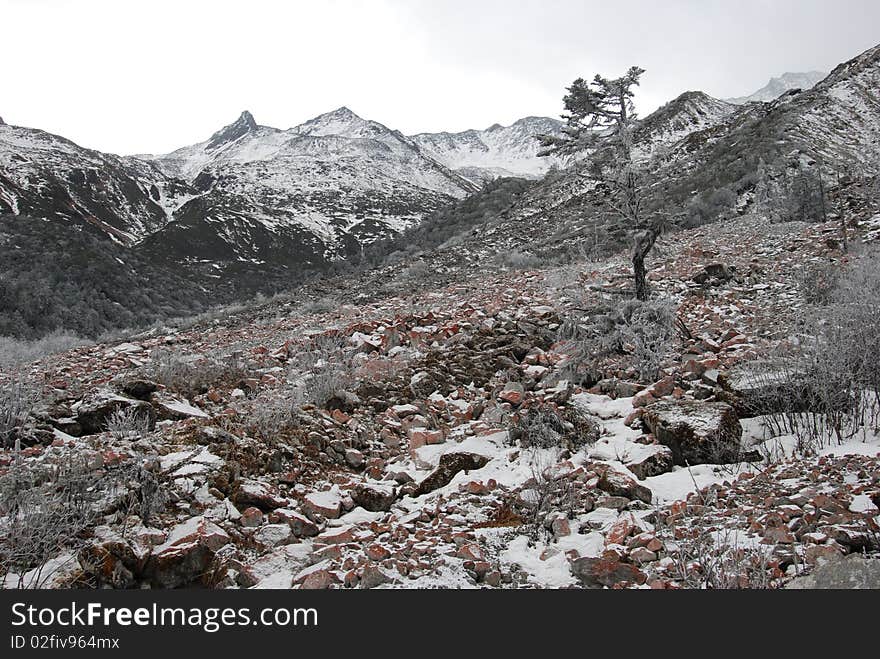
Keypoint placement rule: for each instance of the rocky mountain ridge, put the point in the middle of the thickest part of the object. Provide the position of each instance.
(779, 86)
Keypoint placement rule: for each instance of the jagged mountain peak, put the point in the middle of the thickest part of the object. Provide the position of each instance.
(236, 130)
(780, 85)
(2, 123)
(342, 122)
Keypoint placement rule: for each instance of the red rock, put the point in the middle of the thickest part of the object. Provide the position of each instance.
(664, 387)
(326, 504)
(641, 555)
(816, 554)
(512, 393)
(643, 399)
(778, 535)
(335, 536)
(419, 437)
(320, 580)
(471, 551)
(632, 418)
(560, 527)
(597, 572)
(377, 552)
(620, 531)
(251, 518)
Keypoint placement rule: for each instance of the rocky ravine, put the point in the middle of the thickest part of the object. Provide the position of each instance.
(422, 469)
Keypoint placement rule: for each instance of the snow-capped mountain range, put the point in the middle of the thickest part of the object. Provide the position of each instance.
(251, 197)
(495, 152)
(779, 86)
(254, 194)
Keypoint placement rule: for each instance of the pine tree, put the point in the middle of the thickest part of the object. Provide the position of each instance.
(600, 120)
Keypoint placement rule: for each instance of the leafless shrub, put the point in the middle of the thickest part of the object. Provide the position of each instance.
(827, 387)
(43, 510)
(416, 273)
(15, 406)
(268, 419)
(817, 283)
(540, 500)
(14, 352)
(321, 370)
(701, 562)
(517, 260)
(550, 427)
(714, 560)
(143, 493)
(191, 375)
(126, 422)
(321, 305)
(643, 332)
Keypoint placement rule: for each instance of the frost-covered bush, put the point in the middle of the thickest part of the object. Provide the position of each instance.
(193, 374)
(827, 386)
(550, 427)
(639, 333)
(16, 401)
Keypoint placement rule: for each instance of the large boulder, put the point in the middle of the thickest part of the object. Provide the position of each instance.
(187, 555)
(618, 484)
(375, 498)
(94, 411)
(606, 572)
(450, 465)
(257, 494)
(697, 432)
(754, 394)
(112, 560)
(852, 573)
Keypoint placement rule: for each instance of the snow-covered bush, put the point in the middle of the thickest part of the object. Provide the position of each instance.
(827, 386)
(127, 421)
(15, 405)
(192, 374)
(640, 334)
(549, 427)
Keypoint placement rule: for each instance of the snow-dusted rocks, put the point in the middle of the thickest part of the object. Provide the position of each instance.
(696, 432)
(326, 504)
(94, 411)
(619, 484)
(185, 557)
(450, 465)
(254, 493)
(374, 498)
(652, 460)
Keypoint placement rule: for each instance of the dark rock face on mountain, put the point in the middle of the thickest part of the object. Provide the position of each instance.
(235, 131)
(43, 175)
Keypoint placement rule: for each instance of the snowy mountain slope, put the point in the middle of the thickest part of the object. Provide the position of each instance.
(779, 86)
(839, 119)
(670, 126)
(495, 152)
(43, 175)
(302, 196)
(699, 159)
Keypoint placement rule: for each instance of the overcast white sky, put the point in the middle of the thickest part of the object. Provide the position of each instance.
(132, 76)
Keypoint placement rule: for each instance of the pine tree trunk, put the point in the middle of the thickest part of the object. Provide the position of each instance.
(644, 245)
(643, 292)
